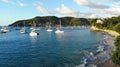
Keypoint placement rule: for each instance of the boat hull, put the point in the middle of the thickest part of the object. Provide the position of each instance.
(59, 31)
(33, 34)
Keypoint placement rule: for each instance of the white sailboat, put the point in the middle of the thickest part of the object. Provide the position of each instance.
(23, 30)
(5, 30)
(59, 29)
(49, 28)
(33, 33)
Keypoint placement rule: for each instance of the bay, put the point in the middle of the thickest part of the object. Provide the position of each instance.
(48, 49)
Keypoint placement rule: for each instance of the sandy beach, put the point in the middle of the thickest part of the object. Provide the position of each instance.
(113, 33)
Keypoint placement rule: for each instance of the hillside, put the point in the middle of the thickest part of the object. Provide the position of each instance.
(44, 21)
(111, 25)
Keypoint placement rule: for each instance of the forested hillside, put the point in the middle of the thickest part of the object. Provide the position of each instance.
(43, 21)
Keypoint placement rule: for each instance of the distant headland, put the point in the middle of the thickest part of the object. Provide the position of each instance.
(43, 21)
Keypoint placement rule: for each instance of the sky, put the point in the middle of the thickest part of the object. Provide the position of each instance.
(14, 10)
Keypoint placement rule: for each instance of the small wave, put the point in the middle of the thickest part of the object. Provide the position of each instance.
(92, 59)
(88, 60)
(100, 48)
(100, 55)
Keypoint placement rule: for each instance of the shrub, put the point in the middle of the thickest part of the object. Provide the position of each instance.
(117, 27)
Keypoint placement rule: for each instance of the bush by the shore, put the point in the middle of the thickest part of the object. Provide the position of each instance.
(117, 27)
(116, 54)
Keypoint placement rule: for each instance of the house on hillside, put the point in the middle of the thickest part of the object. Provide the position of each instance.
(99, 21)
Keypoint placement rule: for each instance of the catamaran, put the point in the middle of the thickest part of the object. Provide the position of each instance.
(59, 29)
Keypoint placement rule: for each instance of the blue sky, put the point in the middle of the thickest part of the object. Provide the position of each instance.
(13, 10)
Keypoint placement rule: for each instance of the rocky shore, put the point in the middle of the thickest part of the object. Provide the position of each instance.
(107, 63)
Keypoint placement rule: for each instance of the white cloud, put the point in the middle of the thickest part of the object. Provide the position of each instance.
(92, 16)
(99, 8)
(113, 0)
(113, 11)
(20, 3)
(87, 15)
(65, 11)
(42, 10)
(38, 3)
(6, 1)
(17, 2)
(91, 4)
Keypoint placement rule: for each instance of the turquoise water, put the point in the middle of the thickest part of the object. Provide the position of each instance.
(48, 49)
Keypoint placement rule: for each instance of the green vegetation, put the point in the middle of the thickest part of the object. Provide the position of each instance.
(111, 24)
(43, 21)
(75, 22)
(117, 27)
(108, 23)
(116, 54)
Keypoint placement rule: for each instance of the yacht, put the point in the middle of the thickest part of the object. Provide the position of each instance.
(5, 30)
(59, 29)
(23, 31)
(49, 30)
(33, 33)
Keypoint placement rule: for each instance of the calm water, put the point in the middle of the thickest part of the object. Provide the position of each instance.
(47, 49)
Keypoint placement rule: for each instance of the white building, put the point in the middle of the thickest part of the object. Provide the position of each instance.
(99, 21)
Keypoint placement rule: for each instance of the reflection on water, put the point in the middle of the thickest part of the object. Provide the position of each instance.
(60, 35)
(33, 39)
(50, 34)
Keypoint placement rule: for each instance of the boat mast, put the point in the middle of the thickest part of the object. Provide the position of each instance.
(50, 25)
(24, 23)
(34, 24)
(60, 23)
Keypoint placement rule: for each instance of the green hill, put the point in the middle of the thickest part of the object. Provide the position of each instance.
(43, 21)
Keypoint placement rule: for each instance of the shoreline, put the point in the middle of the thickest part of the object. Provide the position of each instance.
(109, 48)
(107, 63)
(102, 57)
(113, 33)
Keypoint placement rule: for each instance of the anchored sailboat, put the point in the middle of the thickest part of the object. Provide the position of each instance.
(23, 30)
(33, 33)
(5, 30)
(49, 28)
(59, 29)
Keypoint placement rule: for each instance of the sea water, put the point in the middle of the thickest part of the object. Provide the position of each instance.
(48, 49)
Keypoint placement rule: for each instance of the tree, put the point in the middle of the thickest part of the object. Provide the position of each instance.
(117, 28)
(117, 41)
(75, 22)
(116, 54)
(99, 25)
